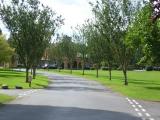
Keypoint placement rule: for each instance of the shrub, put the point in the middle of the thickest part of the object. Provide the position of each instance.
(92, 68)
(149, 68)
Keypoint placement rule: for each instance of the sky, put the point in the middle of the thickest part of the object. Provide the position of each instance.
(75, 12)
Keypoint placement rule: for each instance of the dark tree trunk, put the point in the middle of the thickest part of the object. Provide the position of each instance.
(31, 71)
(34, 72)
(83, 68)
(97, 71)
(125, 77)
(27, 74)
(110, 74)
(83, 71)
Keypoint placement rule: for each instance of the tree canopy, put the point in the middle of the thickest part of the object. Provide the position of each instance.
(32, 26)
(5, 50)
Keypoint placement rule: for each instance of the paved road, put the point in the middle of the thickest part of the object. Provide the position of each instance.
(72, 98)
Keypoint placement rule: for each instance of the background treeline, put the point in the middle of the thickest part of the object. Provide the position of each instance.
(120, 35)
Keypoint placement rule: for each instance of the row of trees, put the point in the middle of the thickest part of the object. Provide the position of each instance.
(121, 32)
(107, 34)
(31, 26)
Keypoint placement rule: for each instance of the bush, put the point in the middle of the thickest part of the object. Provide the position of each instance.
(92, 68)
(149, 68)
(20, 66)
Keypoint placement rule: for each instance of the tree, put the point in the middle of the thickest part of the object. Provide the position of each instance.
(113, 26)
(94, 44)
(67, 47)
(31, 25)
(55, 54)
(145, 33)
(102, 11)
(124, 51)
(81, 42)
(5, 50)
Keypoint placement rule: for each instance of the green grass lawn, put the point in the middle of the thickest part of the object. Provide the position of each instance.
(13, 78)
(5, 98)
(142, 85)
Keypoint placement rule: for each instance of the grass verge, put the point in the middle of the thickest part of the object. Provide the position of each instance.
(5, 98)
(15, 78)
(143, 85)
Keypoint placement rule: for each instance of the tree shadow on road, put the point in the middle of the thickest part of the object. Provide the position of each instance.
(37, 112)
(75, 88)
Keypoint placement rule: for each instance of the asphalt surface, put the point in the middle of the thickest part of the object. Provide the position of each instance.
(72, 98)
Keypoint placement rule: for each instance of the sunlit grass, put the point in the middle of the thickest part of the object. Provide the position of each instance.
(5, 98)
(14, 78)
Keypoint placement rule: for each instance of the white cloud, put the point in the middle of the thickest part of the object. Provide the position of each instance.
(75, 12)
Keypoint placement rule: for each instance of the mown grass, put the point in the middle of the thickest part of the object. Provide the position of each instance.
(15, 78)
(5, 98)
(143, 85)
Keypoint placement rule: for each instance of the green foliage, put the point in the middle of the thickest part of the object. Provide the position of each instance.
(112, 20)
(68, 48)
(94, 44)
(144, 34)
(55, 53)
(81, 41)
(32, 26)
(5, 50)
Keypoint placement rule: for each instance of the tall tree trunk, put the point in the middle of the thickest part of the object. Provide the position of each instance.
(83, 68)
(83, 71)
(34, 72)
(97, 71)
(110, 72)
(27, 74)
(125, 77)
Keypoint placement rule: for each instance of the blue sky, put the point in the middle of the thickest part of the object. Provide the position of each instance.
(73, 11)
